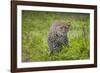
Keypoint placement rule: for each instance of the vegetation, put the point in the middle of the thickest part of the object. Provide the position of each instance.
(35, 28)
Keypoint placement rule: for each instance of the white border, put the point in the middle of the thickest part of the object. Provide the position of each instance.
(52, 63)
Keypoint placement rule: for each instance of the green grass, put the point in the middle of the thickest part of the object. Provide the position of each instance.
(35, 28)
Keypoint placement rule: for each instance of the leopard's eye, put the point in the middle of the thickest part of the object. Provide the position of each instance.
(65, 27)
(61, 27)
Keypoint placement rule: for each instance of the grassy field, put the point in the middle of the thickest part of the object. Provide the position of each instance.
(35, 28)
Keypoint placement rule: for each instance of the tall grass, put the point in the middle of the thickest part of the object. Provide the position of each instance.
(35, 28)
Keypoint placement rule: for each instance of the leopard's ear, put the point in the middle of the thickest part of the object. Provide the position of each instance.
(68, 25)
